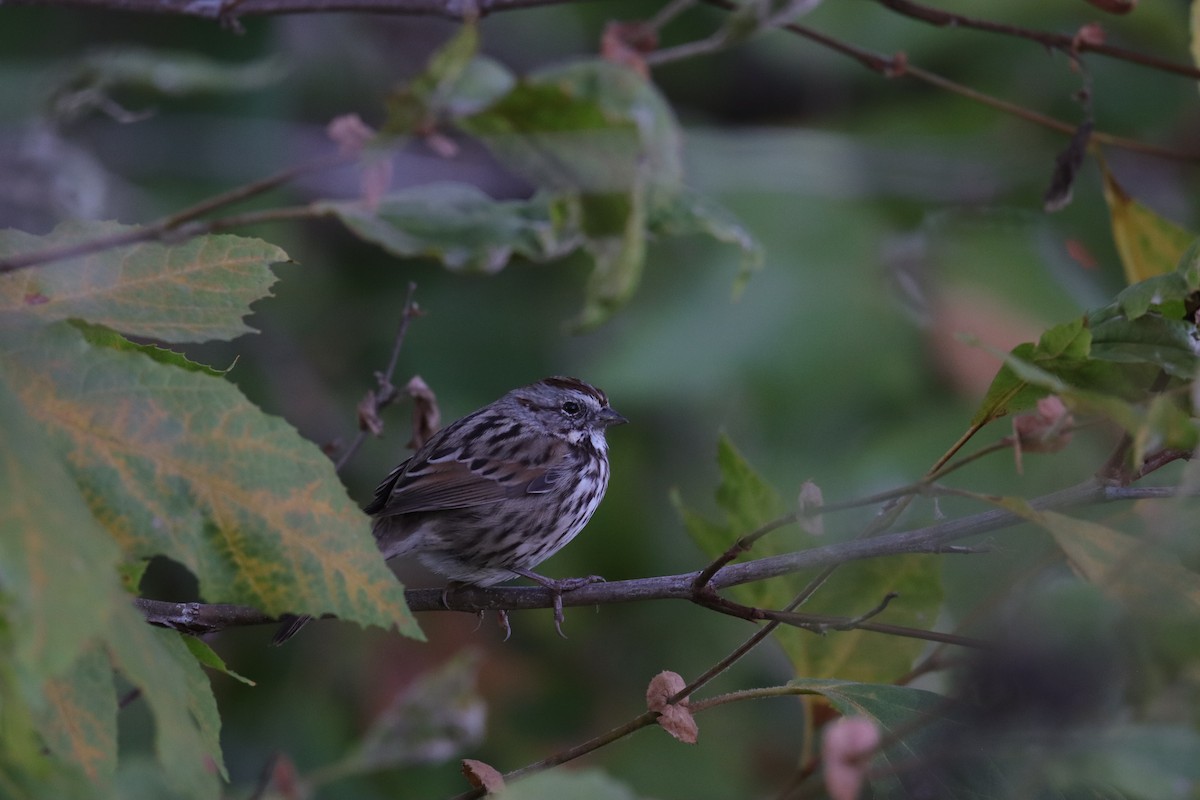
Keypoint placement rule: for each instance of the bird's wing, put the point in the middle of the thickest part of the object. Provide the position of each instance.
(457, 480)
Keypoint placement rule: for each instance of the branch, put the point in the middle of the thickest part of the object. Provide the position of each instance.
(899, 66)
(1059, 41)
(177, 224)
(200, 618)
(228, 11)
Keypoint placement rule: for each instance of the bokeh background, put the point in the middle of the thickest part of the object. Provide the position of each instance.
(893, 216)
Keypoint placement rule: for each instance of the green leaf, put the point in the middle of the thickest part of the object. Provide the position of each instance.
(57, 564)
(686, 213)
(190, 292)
(591, 127)
(455, 82)
(78, 720)
(748, 502)
(617, 258)
(177, 461)
(1171, 344)
(584, 784)
(461, 226)
(207, 657)
(559, 141)
(1062, 363)
(94, 78)
(186, 721)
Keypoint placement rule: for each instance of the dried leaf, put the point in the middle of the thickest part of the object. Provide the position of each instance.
(426, 418)
(1045, 430)
(808, 507)
(368, 414)
(845, 747)
(350, 133)
(627, 43)
(1089, 34)
(674, 718)
(1066, 168)
(482, 776)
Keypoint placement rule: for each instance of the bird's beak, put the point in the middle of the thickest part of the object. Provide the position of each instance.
(610, 417)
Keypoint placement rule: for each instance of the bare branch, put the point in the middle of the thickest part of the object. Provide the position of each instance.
(200, 618)
(385, 393)
(228, 11)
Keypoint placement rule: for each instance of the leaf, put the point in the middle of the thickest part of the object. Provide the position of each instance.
(207, 657)
(456, 82)
(79, 719)
(1060, 363)
(915, 725)
(584, 784)
(1171, 344)
(57, 564)
(186, 721)
(686, 213)
(91, 82)
(177, 461)
(1148, 244)
(437, 717)
(748, 502)
(617, 258)
(558, 141)
(1135, 571)
(191, 292)
(460, 226)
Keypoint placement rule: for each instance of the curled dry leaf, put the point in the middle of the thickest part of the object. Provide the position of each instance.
(1066, 168)
(482, 776)
(352, 136)
(350, 133)
(676, 719)
(845, 749)
(1046, 430)
(426, 418)
(808, 507)
(627, 43)
(368, 414)
(1089, 34)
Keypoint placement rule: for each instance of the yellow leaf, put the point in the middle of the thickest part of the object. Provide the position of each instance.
(1147, 243)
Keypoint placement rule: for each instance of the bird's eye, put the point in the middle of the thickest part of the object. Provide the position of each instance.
(571, 408)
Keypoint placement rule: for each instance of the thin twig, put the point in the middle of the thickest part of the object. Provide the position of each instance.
(1060, 41)
(899, 66)
(386, 393)
(171, 225)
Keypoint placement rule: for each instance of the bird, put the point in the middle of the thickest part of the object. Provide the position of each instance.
(494, 494)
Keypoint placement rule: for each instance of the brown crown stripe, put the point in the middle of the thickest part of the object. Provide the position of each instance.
(565, 382)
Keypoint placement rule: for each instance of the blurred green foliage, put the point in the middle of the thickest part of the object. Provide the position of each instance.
(890, 216)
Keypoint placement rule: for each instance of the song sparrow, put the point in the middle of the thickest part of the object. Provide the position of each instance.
(496, 493)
